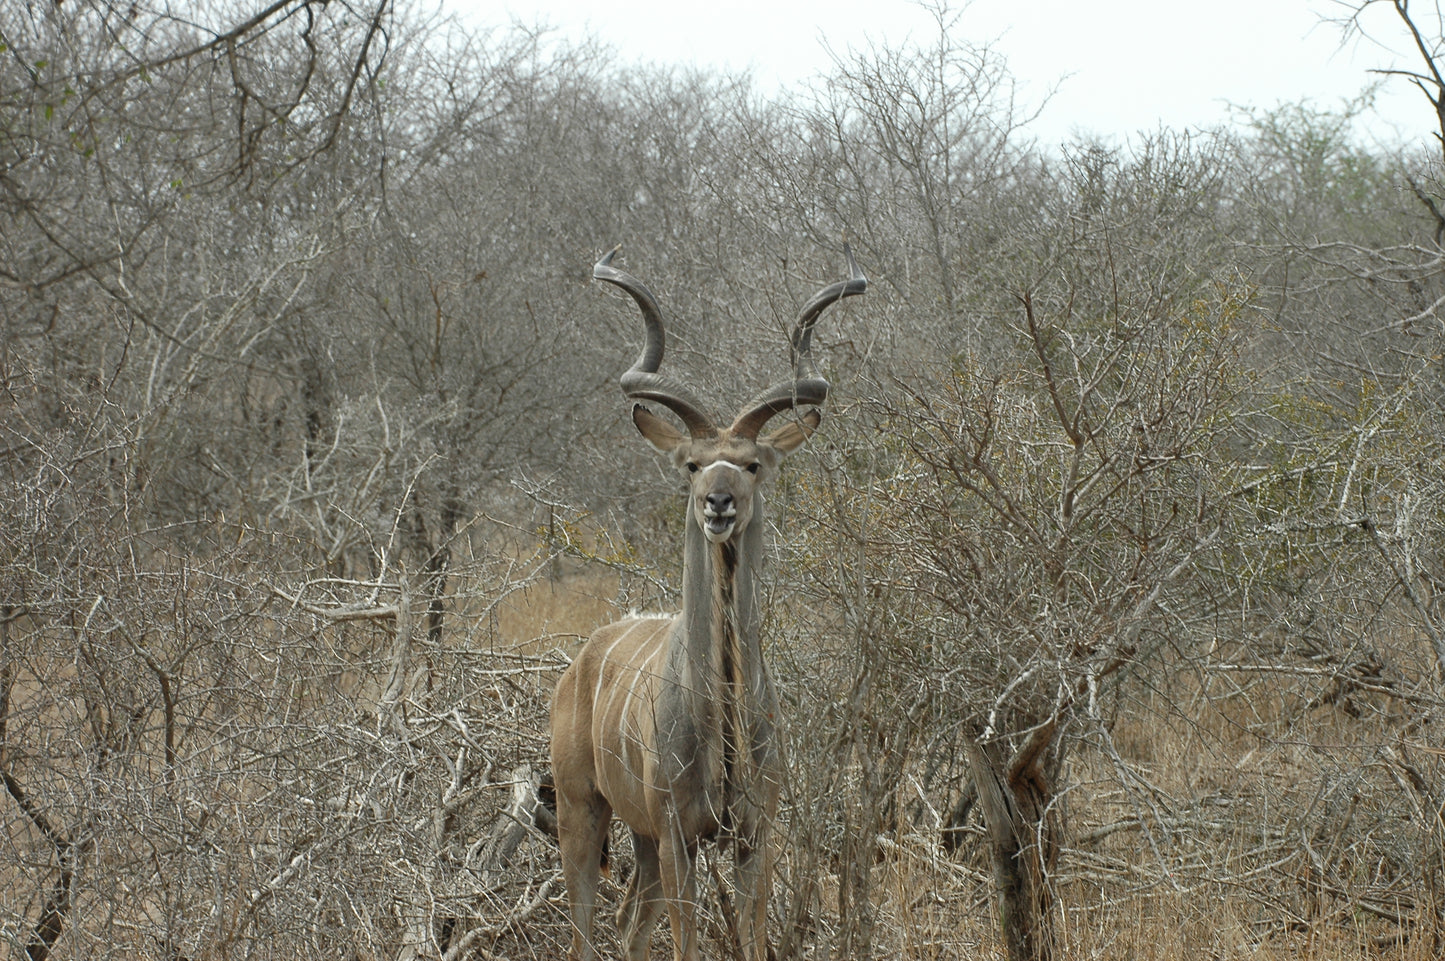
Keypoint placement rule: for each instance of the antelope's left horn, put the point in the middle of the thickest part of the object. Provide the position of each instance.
(807, 388)
(642, 380)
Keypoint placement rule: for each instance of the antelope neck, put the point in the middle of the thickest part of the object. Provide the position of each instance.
(720, 602)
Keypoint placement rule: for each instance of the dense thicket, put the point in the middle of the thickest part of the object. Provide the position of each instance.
(1107, 596)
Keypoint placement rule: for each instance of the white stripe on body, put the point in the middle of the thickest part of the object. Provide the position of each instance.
(603, 709)
(602, 667)
(624, 717)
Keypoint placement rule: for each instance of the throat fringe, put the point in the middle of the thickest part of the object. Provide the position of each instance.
(731, 667)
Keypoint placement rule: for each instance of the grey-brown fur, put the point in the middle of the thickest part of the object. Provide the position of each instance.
(669, 723)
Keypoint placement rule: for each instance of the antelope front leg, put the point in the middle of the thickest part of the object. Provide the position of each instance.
(643, 901)
(678, 862)
(753, 883)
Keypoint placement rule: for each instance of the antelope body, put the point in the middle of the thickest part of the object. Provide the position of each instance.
(668, 722)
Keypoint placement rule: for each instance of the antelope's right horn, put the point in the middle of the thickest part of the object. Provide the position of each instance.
(806, 388)
(642, 380)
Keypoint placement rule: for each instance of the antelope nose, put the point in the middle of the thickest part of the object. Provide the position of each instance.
(720, 505)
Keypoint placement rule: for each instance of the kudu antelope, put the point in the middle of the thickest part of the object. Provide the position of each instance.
(668, 722)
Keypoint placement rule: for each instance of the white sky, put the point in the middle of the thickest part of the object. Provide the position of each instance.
(1121, 66)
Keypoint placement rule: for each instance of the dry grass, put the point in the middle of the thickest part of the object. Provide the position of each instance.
(1192, 848)
(1195, 853)
(557, 612)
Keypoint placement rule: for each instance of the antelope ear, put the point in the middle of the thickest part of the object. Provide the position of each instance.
(791, 435)
(656, 431)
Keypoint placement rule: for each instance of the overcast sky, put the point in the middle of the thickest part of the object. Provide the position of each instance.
(1120, 66)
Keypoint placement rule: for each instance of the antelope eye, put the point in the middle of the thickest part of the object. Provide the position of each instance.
(691, 467)
(753, 467)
